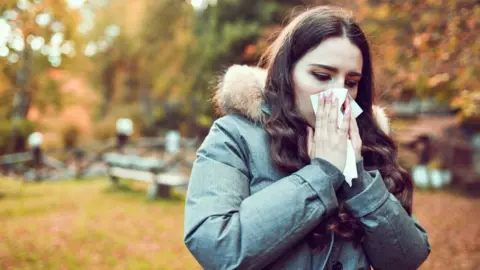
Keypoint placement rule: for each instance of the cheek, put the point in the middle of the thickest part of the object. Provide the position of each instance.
(353, 93)
(306, 84)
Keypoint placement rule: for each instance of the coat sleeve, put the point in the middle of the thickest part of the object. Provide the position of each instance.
(226, 227)
(393, 239)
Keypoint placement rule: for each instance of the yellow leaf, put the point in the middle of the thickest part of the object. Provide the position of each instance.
(382, 12)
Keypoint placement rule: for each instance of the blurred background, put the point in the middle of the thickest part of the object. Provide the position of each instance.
(104, 102)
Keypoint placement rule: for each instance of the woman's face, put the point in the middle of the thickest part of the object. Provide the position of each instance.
(335, 63)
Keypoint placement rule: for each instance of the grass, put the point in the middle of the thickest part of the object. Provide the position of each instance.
(89, 225)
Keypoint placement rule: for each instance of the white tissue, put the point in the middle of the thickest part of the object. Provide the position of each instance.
(341, 94)
(350, 171)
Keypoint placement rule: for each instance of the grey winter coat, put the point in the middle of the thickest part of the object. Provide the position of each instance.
(242, 213)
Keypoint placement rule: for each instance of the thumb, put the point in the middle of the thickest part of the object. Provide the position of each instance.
(353, 127)
(354, 136)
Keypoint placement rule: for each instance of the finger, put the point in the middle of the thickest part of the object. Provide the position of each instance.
(344, 130)
(328, 104)
(319, 116)
(326, 115)
(333, 116)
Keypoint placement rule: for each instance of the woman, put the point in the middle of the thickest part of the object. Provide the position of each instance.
(267, 189)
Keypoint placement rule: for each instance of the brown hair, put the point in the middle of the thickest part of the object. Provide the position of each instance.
(286, 129)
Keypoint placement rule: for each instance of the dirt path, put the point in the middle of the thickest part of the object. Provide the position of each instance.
(452, 222)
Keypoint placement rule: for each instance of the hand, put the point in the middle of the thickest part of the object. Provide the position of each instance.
(354, 136)
(330, 142)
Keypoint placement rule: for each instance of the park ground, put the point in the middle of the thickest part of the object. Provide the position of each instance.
(89, 225)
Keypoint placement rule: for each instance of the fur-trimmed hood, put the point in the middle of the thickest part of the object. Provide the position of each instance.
(241, 91)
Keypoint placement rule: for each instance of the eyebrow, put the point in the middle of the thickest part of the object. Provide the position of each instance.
(333, 69)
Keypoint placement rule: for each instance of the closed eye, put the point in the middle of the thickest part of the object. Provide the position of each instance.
(351, 84)
(322, 76)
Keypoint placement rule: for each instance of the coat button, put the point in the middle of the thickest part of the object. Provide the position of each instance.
(337, 266)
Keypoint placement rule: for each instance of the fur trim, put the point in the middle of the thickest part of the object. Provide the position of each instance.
(241, 91)
(382, 119)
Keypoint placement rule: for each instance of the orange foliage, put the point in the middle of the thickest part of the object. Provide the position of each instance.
(78, 99)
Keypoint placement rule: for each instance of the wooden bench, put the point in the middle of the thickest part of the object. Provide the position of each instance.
(149, 170)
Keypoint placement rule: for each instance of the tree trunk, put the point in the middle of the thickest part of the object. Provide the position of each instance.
(108, 79)
(21, 101)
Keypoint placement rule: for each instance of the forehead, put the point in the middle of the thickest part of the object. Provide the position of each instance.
(336, 52)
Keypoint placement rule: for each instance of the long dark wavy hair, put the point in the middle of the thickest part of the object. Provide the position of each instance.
(286, 128)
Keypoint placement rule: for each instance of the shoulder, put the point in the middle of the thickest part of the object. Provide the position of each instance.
(237, 126)
(233, 134)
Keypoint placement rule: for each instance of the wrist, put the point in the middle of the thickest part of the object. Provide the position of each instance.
(331, 170)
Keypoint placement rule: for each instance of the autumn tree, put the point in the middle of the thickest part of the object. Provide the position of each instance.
(208, 39)
(428, 47)
(175, 52)
(35, 36)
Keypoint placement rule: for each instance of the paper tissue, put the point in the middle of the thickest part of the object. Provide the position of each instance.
(350, 171)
